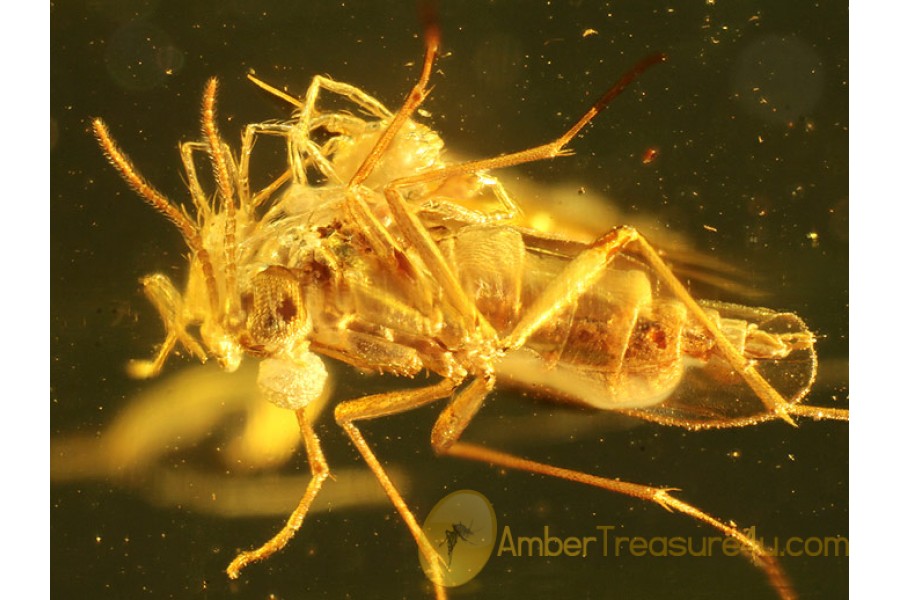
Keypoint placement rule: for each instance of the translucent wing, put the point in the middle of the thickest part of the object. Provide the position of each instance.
(711, 394)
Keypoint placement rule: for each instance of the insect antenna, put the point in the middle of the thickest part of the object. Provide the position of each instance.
(413, 100)
(185, 225)
(217, 151)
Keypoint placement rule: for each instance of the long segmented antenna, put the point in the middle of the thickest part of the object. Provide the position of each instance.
(159, 202)
(223, 180)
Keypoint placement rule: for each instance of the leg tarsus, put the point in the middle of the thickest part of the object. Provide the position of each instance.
(170, 306)
(818, 413)
(371, 407)
(320, 472)
(661, 496)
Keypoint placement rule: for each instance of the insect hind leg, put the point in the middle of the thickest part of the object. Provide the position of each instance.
(456, 417)
(380, 405)
(768, 395)
(661, 496)
(586, 268)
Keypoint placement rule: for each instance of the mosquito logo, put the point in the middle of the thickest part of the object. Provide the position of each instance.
(457, 532)
(465, 524)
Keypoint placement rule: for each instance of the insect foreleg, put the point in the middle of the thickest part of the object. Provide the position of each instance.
(351, 92)
(307, 113)
(275, 91)
(299, 142)
(163, 295)
(319, 469)
(300, 149)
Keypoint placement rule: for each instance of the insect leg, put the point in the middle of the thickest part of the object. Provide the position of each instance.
(297, 130)
(441, 211)
(546, 151)
(248, 140)
(465, 404)
(275, 91)
(578, 276)
(352, 93)
(412, 227)
(170, 305)
(381, 405)
(319, 469)
(510, 206)
(299, 138)
(297, 147)
(416, 235)
(658, 495)
(763, 389)
(584, 270)
(454, 419)
(413, 100)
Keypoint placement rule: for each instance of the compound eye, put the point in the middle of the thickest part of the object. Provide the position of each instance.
(276, 313)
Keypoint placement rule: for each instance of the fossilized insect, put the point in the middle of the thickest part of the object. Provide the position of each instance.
(371, 250)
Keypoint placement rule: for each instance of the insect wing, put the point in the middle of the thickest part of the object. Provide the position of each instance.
(712, 394)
